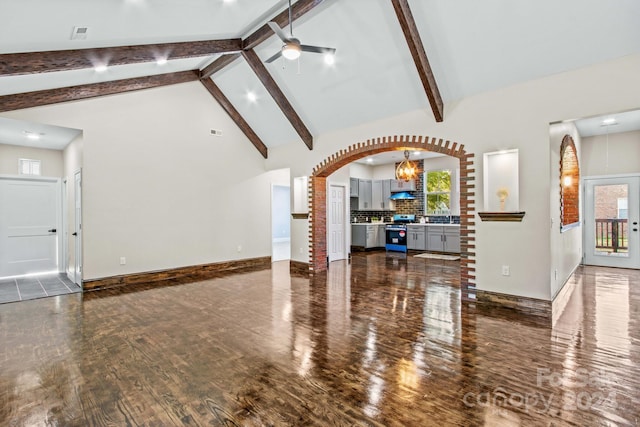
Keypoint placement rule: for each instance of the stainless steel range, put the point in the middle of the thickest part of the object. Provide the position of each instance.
(396, 233)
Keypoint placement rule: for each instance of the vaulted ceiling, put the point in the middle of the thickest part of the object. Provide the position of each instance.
(381, 67)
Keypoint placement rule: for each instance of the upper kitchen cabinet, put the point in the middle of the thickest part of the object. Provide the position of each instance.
(364, 195)
(353, 187)
(398, 185)
(381, 192)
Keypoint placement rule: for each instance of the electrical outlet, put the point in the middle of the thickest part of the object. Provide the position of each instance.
(505, 270)
(239, 248)
(123, 260)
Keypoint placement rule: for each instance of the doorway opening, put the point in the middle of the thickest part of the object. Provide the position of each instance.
(280, 223)
(318, 194)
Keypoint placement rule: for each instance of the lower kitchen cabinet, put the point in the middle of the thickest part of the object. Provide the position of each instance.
(368, 235)
(416, 237)
(382, 235)
(443, 239)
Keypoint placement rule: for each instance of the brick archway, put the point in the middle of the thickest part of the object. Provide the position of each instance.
(318, 198)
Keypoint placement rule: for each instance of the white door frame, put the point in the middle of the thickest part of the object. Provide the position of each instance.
(77, 227)
(345, 221)
(631, 261)
(59, 211)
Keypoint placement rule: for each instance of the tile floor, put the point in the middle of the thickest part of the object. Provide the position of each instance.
(26, 288)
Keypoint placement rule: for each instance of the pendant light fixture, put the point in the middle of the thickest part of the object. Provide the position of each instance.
(406, 170)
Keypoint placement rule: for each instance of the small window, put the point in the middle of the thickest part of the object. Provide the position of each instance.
(438, 192)
(623, 208)
(29, 167)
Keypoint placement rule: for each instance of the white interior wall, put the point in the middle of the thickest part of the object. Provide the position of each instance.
(51, 160)
(565, 247)
(619, 155)
(72, 156)
(158, 188)
(513, 117)
(360, 171)
(387, 171)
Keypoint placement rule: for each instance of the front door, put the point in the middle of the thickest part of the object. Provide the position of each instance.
(612, 211)
(337, 224)
(29, 223)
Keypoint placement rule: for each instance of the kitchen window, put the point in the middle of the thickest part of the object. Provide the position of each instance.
(437, 192)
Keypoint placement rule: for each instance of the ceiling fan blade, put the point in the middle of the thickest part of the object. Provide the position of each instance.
(317, 49)
(274, 57)
(276, 29)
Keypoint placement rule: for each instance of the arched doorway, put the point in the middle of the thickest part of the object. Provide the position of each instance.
(318, 198)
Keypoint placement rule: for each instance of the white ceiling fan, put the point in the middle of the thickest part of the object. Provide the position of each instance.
(291, 48)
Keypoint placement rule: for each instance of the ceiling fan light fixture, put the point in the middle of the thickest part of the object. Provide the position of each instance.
(291, 51)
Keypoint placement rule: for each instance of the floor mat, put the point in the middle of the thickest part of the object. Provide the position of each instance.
(439, 256)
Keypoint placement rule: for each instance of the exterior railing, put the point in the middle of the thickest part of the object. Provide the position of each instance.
(610, 234)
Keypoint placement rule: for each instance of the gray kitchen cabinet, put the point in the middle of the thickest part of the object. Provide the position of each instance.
(443, 239)
(376, 194)
(398, 185)
(364, 195)
(380, 193)
(416, 237)
(358, 235)
(372, 236)
(353, 187)
(382, 235)
(386, 194)
(434, 238)
(452, 239)
(366, 235)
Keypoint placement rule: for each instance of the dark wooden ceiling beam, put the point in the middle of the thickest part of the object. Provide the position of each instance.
(12, 64)
(74, 93)
(258, 67)
(411, 34)
(224, 102)
(298, 9)
(218, 65)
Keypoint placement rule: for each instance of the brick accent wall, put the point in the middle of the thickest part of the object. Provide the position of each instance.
(569, 191)
(318, 198)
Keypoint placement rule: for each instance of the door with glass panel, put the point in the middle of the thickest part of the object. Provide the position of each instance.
(612, 210)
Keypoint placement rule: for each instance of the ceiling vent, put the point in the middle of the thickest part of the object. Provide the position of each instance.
(79, 33)
(216, 132)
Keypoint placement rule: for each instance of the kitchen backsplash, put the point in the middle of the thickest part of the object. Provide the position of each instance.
(368, 216)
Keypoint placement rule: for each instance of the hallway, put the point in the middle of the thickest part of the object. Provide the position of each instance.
(382, 341)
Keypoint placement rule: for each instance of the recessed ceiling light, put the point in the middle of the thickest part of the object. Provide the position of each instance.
(610, 121)
(252, 97)
(32, 135)
(416, 153)
(228, 1)
(161, 61)
(100, 68)
(369, 160)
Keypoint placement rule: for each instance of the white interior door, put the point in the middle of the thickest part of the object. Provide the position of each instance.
(612, 211)
(77, 229)
(337, 234)
(29, 223)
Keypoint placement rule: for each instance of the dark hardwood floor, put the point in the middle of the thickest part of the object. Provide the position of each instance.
(382, 341)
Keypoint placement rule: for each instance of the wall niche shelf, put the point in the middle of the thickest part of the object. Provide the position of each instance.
(300, 215)
(501, 216)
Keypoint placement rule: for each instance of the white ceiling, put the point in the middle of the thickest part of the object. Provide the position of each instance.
(610, 123)
(17, 132)
(472, 46)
